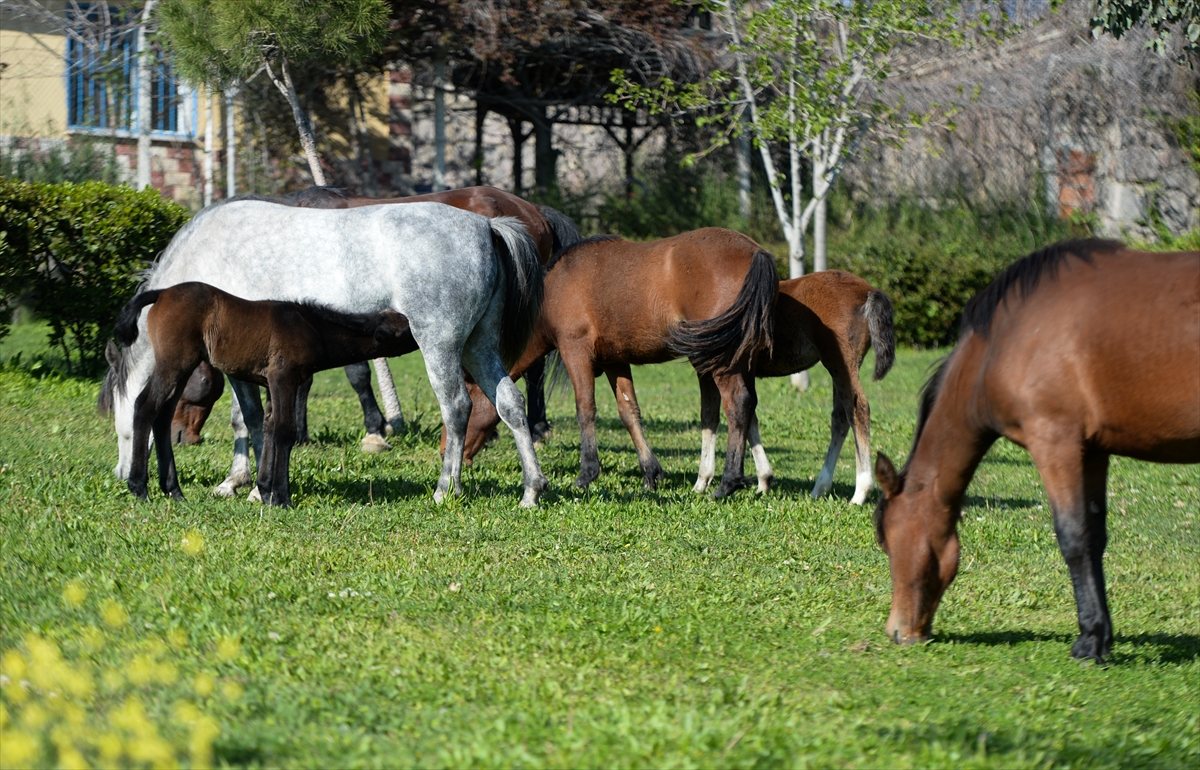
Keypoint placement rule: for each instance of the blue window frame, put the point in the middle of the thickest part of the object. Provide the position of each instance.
(102, 89)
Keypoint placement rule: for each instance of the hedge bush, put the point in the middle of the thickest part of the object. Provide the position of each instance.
(77, 252)
(931, 262)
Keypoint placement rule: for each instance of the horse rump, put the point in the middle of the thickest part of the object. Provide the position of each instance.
(733, 338)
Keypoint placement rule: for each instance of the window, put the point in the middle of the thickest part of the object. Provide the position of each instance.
(102, 84)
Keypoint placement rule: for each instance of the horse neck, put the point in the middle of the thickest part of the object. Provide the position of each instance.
(956, 434)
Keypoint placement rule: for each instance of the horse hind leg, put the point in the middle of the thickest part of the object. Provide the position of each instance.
(739, 400)
(620, 378)
(860, 414)
(246, 417)
(535, 387)
(146, 409)
(443, 364)
(168, 477)
(839, 427)
(710, 418)
(483, 361)
(359, 376)
(1076, 483)
(273, 483)
(762, 466)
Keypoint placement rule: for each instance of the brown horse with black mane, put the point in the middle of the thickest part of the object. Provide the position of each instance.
(706, 295)
(1078, 352)
(276, 344)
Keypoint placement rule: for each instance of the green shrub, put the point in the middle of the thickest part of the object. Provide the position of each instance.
(930, 262)
(79, 159)
(77, 250)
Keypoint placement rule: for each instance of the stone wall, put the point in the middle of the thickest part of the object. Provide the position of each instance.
(1079, 124)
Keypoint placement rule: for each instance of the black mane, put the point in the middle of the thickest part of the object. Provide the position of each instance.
(359, 323)
(1027, 272)
(563, 252)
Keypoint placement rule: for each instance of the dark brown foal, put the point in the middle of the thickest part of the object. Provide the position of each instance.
(834, 318)
(707, 295)
(203, 389)
(276, 344)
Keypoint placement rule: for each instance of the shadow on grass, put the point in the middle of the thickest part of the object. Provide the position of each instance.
(1147, 648)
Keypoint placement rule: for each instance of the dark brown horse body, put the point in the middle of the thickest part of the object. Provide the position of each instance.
(834, 318)
(550, 231)
(1079, 352)
(707, 295)
(203, 389)
(276, 344)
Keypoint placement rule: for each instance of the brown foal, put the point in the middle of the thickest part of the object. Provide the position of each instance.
(1078, 352)
(707, 295)
(276, 344)
(834, 318)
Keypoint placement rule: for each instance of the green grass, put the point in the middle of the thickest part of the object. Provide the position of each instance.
(369, 627)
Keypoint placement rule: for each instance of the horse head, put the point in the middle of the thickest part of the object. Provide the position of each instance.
(920, 537)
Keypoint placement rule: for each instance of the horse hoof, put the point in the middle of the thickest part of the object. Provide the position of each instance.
(540, 432)
(1088, 647)
(701, 484)
(255, 496)
(764, 484)
(395, 427)
(225, 489)
(374, 443)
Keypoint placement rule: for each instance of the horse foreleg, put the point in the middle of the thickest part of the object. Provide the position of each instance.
(301, 412)
(273, 487)
(620, 378)
(443, 364)
(145, 414)
(738, 398)
(710, 420)
(360, 379)
(535, 389)
(762, 466)
(245, 415)
(1076, 483)
(488, 370)
(168, 477)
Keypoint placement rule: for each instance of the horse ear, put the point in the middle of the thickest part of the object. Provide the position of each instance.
(886, 476)
(112, 354)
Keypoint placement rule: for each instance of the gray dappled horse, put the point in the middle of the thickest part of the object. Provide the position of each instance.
(470, 286)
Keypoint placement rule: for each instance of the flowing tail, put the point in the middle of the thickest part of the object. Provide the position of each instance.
(126, 330)
(732, 339)
(565, 232)
(523, 286)
(878, 311)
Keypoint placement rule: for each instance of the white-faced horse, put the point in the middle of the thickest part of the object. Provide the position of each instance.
(470, 286)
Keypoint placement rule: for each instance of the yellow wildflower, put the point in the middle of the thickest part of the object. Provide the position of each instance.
(228, 648)
(114, 614)
(203, 685)
(232, 691)
(18, 749)
(74, 594)
(193, 543)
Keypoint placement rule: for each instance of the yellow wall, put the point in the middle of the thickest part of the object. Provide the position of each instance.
(33, 90)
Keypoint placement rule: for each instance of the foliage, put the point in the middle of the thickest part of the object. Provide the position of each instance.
(1187, 131)
(1117, 17)
(931, 262)
(224, 42)
(612, 628)
(78, 159)
(78, 250)
(806, 79)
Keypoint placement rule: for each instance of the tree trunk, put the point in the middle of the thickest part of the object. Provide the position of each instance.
(230, 145)
(439, 124)
(307, 139)
(518, 164)
(144, 108)
(545, 156)
(818, 185)
(208, 151)
(741, 150)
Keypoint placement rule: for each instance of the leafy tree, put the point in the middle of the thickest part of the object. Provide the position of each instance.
(805, 82)
(1116, 17)
(219, 43)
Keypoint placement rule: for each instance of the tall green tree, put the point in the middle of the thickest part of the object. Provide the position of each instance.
(805, 81)
(220, 43)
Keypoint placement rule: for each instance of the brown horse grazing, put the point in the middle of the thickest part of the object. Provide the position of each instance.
(1077, 352)
(551, 231)
(277, 344)
(203, 389)
(832, 317)
(707, 295)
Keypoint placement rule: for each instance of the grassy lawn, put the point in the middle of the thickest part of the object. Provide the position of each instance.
(369, 627)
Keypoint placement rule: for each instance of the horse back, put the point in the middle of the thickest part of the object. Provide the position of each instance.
(1112, 346)
(625, 295)
(819, 317)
